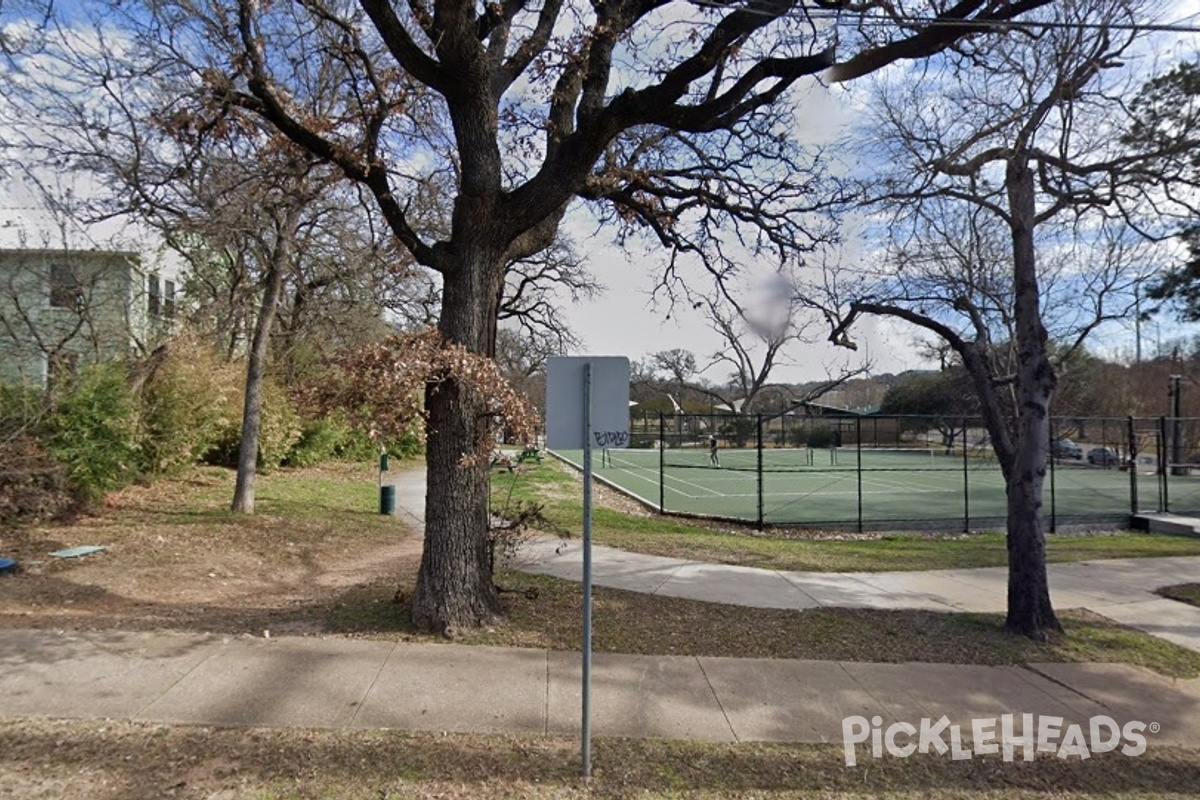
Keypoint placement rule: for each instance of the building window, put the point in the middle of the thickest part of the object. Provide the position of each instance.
(154, 296)
(169, 299)
(65, 291)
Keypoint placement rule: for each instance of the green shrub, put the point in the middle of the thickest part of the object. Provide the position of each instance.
(330, 439)
(93, 429)
(189, 401)
(278, 431)
(407, 446)
(23, 410)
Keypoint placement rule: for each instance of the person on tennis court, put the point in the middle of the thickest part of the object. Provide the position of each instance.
(712, 451)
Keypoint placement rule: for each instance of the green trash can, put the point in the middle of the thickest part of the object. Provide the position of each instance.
(387, 499)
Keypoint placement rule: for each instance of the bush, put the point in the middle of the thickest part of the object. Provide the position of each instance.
(23, 411)
(278, 431)
(189, 401)
(407, 446)
(330, 439)
(94, 431)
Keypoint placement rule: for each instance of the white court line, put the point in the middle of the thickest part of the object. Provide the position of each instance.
(667, 487)
(885, 487)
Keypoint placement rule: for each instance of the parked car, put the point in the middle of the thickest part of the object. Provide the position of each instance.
(1065, 448)
(1103, 456)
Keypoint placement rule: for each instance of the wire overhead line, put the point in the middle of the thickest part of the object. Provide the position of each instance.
(868, 19)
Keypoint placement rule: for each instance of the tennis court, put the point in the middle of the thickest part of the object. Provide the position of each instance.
(852, 487)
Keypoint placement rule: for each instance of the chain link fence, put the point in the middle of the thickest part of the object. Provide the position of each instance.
(873, 471)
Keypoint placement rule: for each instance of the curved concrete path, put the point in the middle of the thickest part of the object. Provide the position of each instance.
(1120, 589)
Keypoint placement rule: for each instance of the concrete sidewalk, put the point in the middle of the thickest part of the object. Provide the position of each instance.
(351, 684)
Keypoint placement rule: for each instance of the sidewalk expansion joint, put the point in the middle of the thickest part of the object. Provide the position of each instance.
(1063, 684)
(798, 587)
(737, 739)
(671, 575)
(220, 645)
(362, 701)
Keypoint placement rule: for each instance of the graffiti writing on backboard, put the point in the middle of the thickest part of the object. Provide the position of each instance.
(611, 438)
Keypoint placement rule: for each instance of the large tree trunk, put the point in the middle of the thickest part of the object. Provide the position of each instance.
(454, 586)
(256, 365)
(1029, 609)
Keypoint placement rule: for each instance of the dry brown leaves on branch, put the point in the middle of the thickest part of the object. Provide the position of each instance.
(381, 387)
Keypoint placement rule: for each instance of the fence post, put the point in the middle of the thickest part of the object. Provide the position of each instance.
(662, 459)
(1164, 498)
(966, 481)
(858, 451)
(1053, 496)
(1133, 453)
(759, 467)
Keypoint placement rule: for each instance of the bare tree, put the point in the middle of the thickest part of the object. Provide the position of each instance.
(534, 289)
(1166, 112)
(669, 113)
(758, 338)
(1015, 211)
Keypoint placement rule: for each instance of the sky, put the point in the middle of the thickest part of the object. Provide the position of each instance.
(623, 321)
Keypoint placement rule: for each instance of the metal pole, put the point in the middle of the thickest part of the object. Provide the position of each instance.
(1133, 497)
(662, 463)
(586, 745)
(966, 482)
(1053, 495)
(1176, 431)
(759, 470)
(1137, 324)
(1162, 461)
(858, 436)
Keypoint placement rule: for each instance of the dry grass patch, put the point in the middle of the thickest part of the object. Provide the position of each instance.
(118, 761)
(631, 622)
(176, 557)
(1183, 592)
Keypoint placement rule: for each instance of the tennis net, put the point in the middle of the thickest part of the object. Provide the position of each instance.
(780, 459)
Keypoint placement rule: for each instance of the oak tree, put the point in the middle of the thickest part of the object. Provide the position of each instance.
(1016, 208)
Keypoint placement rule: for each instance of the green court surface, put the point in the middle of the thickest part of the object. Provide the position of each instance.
(851, 487)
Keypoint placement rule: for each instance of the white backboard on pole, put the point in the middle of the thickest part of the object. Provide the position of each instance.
(564, 401)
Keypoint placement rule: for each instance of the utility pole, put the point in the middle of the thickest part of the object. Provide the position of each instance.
(1137, 324)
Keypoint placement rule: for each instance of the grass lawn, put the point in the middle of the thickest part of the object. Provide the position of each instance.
(558, 488)
(319, 559)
